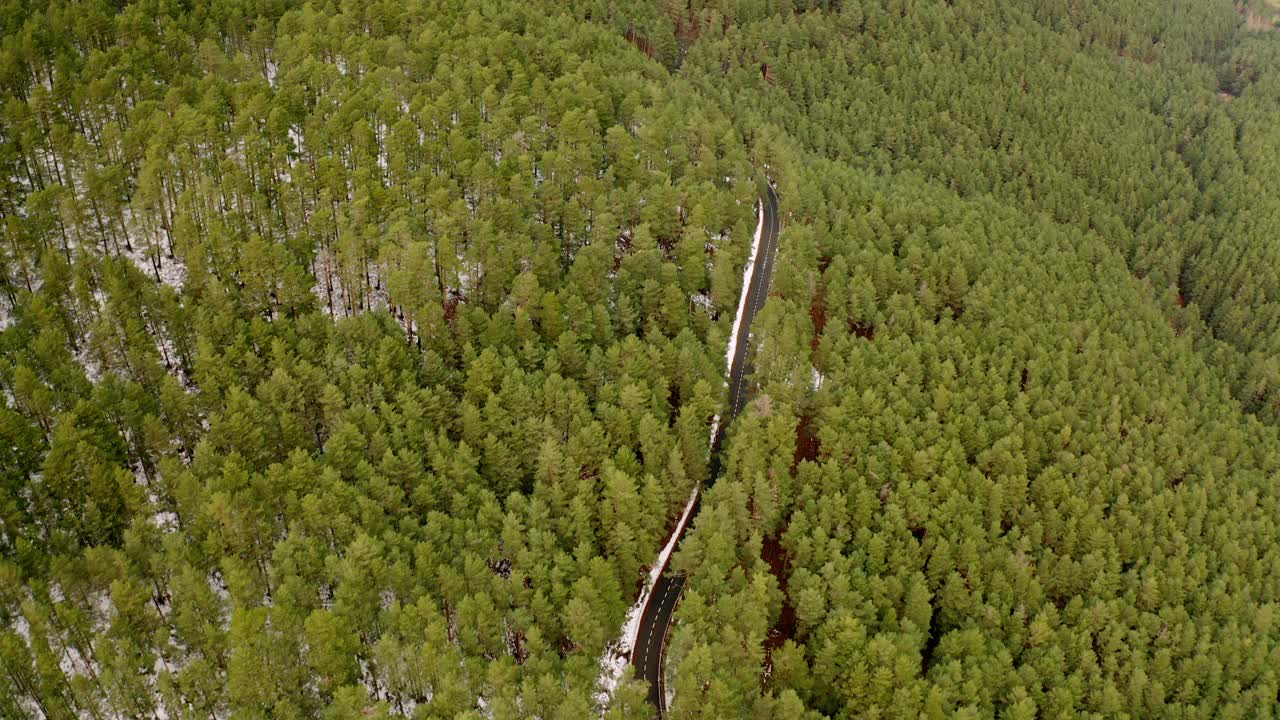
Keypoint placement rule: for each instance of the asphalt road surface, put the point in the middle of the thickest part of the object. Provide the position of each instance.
(655, 621)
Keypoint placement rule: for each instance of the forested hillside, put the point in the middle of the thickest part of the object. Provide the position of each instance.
(358, 356)
(1014, 447)
(342, 348)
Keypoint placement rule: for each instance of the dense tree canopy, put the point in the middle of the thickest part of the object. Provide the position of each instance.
(342, 346)
(358, 356)
(1015, 443)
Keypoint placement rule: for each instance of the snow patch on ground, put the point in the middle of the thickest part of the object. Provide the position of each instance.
(166, 520)
(71, 661)
(410, 706)
(465, 285)
(817, 378)
(380, 134)
(153, 262)
(703, 301)
(714, 240)
(613, 665)
(103, 610)
(344, 300)
(149, 254)
(219, 590)
(618, 655)
(92, 370)
(22, 627)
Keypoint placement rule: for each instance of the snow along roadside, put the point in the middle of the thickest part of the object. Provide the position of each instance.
(617, 657)
(746, 288)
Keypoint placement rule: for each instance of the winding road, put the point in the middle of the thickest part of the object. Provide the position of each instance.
(655, 620)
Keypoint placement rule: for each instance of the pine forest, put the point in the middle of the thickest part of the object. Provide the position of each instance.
(360, 358)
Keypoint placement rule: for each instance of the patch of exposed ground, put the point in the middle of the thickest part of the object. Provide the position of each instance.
(807, 444)
(785, 629)
(818, 315)
(1260, 18)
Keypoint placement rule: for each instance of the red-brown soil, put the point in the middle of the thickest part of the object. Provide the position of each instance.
(785, 629)
(818, 314)
(807, 444)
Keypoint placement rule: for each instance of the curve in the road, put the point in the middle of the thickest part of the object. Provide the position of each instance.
(655, 620)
